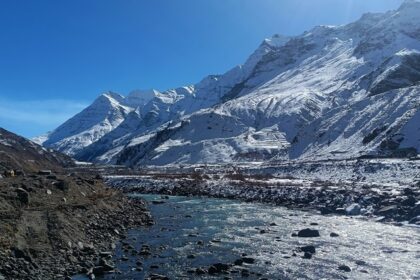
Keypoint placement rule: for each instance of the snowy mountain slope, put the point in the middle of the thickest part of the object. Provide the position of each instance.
(88, 126)
(175, 103)
(380, 123)
(332, 92)
(155, 109)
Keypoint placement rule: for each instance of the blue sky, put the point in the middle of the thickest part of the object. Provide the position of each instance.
(57, 56)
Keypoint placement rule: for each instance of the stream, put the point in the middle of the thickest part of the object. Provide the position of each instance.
(192, 233)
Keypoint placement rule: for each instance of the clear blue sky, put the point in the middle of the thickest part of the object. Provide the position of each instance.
(56, 56)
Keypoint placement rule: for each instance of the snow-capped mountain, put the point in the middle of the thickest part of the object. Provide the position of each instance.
(332, 92)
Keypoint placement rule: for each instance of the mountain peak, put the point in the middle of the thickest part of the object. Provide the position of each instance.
(410, 7)
(138, 97)
(276, 41)
(143, 93)
(110, 96)
(408, 4)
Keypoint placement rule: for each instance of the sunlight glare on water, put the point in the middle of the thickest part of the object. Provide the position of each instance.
(221, 231)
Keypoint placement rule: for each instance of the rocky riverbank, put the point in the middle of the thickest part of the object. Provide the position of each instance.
(54, 226)
(390, 204)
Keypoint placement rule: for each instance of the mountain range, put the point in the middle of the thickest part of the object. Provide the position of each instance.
(334, 92)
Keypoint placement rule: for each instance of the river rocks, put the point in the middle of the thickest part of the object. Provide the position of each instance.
(307, 232)
(104, 267)
(307, 255)
(158, 202)
(239, 262)
(387, 210)
(340, 211)
(145, 251)
(415, 221)
(409, 201)
(342, 199)
(245, 273)
(308, 248)
(154, 266)
(416, 210)
(360, 262)
(216, 241)
(218, 268)
(344, 268)
(105, 254)
(248, 260)
(200, 271)
(353, 210)
(157, 277)
(325, 210)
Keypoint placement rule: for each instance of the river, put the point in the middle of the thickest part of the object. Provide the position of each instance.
(192, 233)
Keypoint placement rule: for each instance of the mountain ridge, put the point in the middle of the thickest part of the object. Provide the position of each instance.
(294, 98)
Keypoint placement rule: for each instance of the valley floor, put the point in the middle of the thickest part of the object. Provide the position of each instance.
(55, 226)
(386, 190)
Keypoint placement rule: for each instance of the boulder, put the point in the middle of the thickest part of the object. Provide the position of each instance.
(409, 201)
(353, 210)
(248, 260)
(415, 221)
(218, 268)
(23, 196)
(344, 268)
(44, 172)
(307, 232)
(158, 202)
(200, 271)
(416, 210)
(307, 255)
(157, 277)
(62, 185)
(308, 248)
(387, 211)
